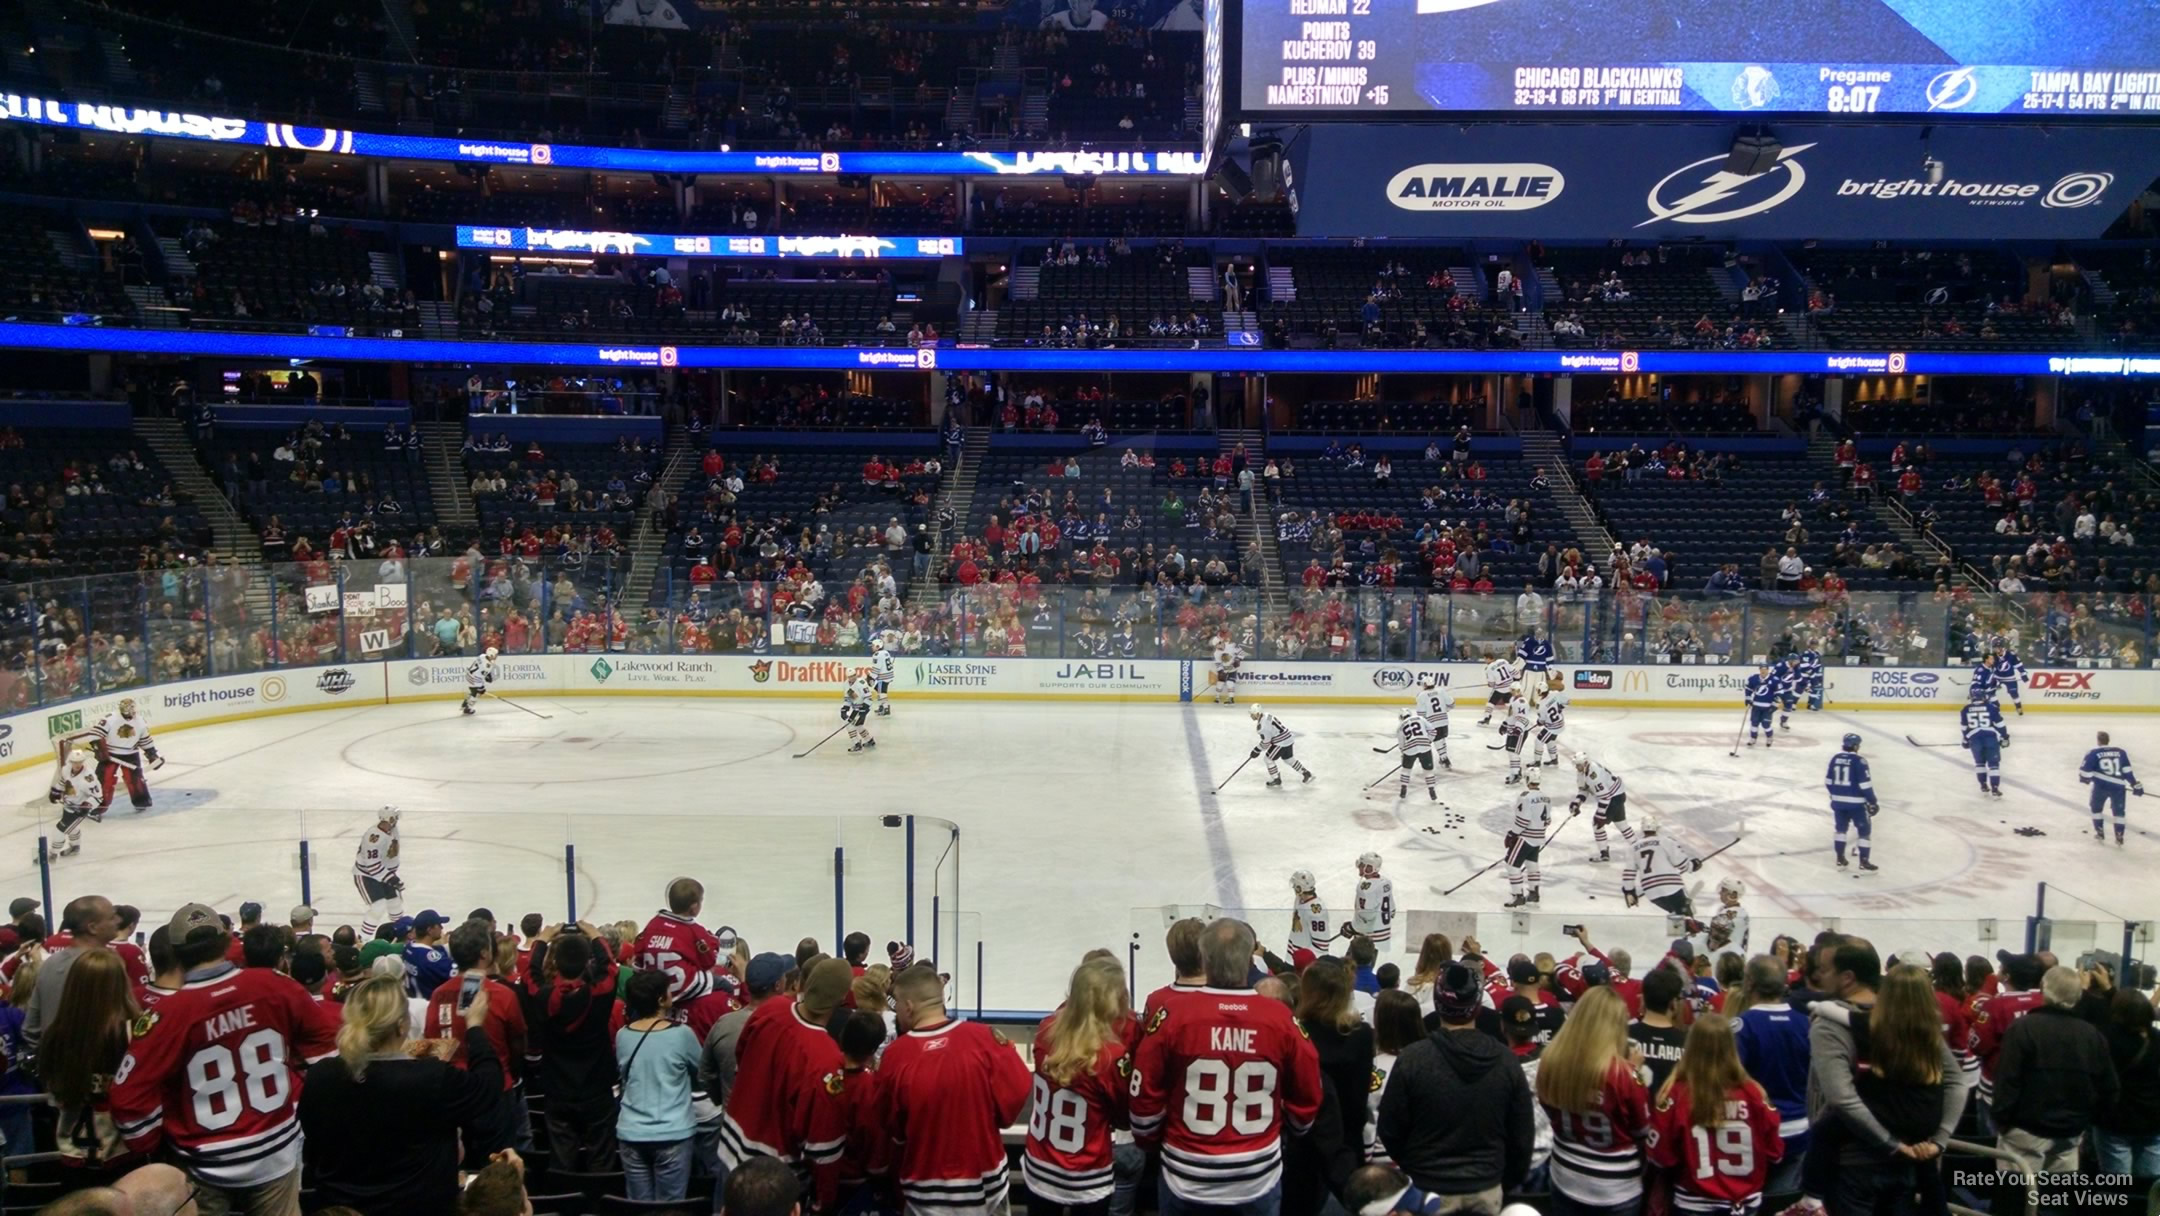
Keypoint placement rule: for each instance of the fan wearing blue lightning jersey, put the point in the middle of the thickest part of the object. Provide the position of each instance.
(1811, 673)
(1790, 685)
(1535, 652)
(1852, 800)
(1761, 696)
(1981, 721)
(2107, 770)
(2009, 672)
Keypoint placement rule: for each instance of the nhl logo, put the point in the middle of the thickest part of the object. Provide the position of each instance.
(761, 671)
(335, 681)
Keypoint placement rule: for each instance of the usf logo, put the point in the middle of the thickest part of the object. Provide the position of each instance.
(60, 724)
(601, 670)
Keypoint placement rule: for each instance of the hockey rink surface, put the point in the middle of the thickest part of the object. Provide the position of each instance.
(1082, 826)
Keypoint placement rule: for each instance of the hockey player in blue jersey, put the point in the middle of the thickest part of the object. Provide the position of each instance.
(1535, 652)
(2009, 672)
(1983, 678)
(1761, 696)
(1985, 736)
(1811, 672)
(1852, 800)
(2107, 770)
(1790, 686)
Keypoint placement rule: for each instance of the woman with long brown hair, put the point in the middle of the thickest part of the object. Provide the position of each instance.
(81, 1051)
(1592, 1084)
(1884, 1091)
(1433, 956)
(1080, 1093)
(1396, 1024)
(1315, 1165)
(1717, 1132)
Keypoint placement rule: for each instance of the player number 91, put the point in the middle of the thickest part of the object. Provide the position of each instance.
(1859, 99)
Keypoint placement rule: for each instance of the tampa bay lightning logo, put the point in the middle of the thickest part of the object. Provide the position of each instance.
(1684, 197)
(1755, 88)
(1952, 90)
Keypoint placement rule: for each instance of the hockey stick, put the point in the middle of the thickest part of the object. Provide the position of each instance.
(1382, 751)
(1496, 861)
(1917, 743)
(1738, 731)
(1233, 773)
(534, 712)
(822, 742)
(1721, 848)
(1382, 777)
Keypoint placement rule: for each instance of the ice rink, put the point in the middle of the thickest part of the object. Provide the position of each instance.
(1083, 826)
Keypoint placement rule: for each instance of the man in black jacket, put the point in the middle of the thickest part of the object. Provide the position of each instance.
(1456, 1114)
(2053, 1079)
(569, 995)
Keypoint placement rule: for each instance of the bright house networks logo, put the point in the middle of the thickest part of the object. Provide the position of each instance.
(601, 670)
(1719, 196)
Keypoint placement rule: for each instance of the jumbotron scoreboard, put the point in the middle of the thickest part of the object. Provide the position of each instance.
(1310, 59)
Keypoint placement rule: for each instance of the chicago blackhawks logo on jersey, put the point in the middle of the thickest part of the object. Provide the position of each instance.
(127, 732)
(1156, 1023)
(834, 1083)
(1378, 1079)
(140, 1027)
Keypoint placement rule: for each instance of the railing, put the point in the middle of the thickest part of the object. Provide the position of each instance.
(79, 637)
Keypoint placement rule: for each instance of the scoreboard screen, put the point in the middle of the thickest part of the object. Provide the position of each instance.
(2048, 58)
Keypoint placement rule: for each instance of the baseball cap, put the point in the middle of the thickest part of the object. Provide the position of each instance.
(428, 919)
(1457, 993)
(1517, 1011)
(1683, 949)
(766, 971)
(1595, 974)
(1522, 971)
(190, 918)
(402, 926)
(301, 914)
(2023, 970)
(20, 906)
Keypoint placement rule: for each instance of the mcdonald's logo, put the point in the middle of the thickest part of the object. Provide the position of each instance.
(1635, 680)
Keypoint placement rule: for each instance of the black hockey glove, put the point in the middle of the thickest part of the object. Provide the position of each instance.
(1255, 754)
(156, 760)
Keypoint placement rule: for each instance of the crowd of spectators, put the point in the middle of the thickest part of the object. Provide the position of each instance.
(495, 1068)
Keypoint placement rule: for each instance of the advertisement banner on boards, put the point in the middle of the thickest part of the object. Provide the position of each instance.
(1648, 181)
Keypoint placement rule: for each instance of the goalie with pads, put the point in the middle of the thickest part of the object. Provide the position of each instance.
(123, 742)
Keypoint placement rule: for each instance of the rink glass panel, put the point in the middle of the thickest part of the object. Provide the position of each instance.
(72, 638)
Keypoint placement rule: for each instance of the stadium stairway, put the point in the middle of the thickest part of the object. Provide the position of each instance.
(236, 541)
(955, 500)
(1822, 454)
(444, 445)
(1256, 527)
(648, 544)
(1548, 451)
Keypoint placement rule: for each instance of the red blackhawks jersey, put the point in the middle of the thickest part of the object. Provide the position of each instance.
(1067, 1160)
(786, 1099)
(1720, 1168)
(946, 1095)
(211, 1074)
(1990, 1022)
(1598, 1154)
(682, 948)
(1218, 1073)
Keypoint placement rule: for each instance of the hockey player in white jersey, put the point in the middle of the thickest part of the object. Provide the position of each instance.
(1372, 916)
(123, 743)
(881, 675)
(478, 675)
(1551, 719)
(1526, 840)
(855, 711)
(81, 796)
(1308, 920)
(1432, 705)
(1414, 739)
(1726, 932)
(375, 873)
(1500, 677)
(1596, 783)
(1277, 741)
(1514, 733)
(1229, 656)
(1656, 871)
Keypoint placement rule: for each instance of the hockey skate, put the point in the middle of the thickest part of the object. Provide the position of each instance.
(1513, 779)
(1274, 783)
(855, 747)
(1447, 764)
(468, 709)
(1308, 776)
(1994, 793)
(884, 711)
(1603, 855)
(1519, 901)
(1402, 794)
(1533, 897)
(1843, 864)
(1868, 866)
(1751, 743)
(2101, 838)
(1432, 794)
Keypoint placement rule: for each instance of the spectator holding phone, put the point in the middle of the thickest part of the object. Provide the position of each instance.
(472, 950)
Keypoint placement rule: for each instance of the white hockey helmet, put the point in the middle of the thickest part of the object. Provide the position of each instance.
(1582, 762)
(1301, 881)
(1731, 889)
(1256, 712)
(1428, 680)
(389, 814)
(1530, 776)
(492, 653)
(1402, 715)
(127, 707)
(1368, 861)
(876, 644)
(77, 757)
(1648, 826)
